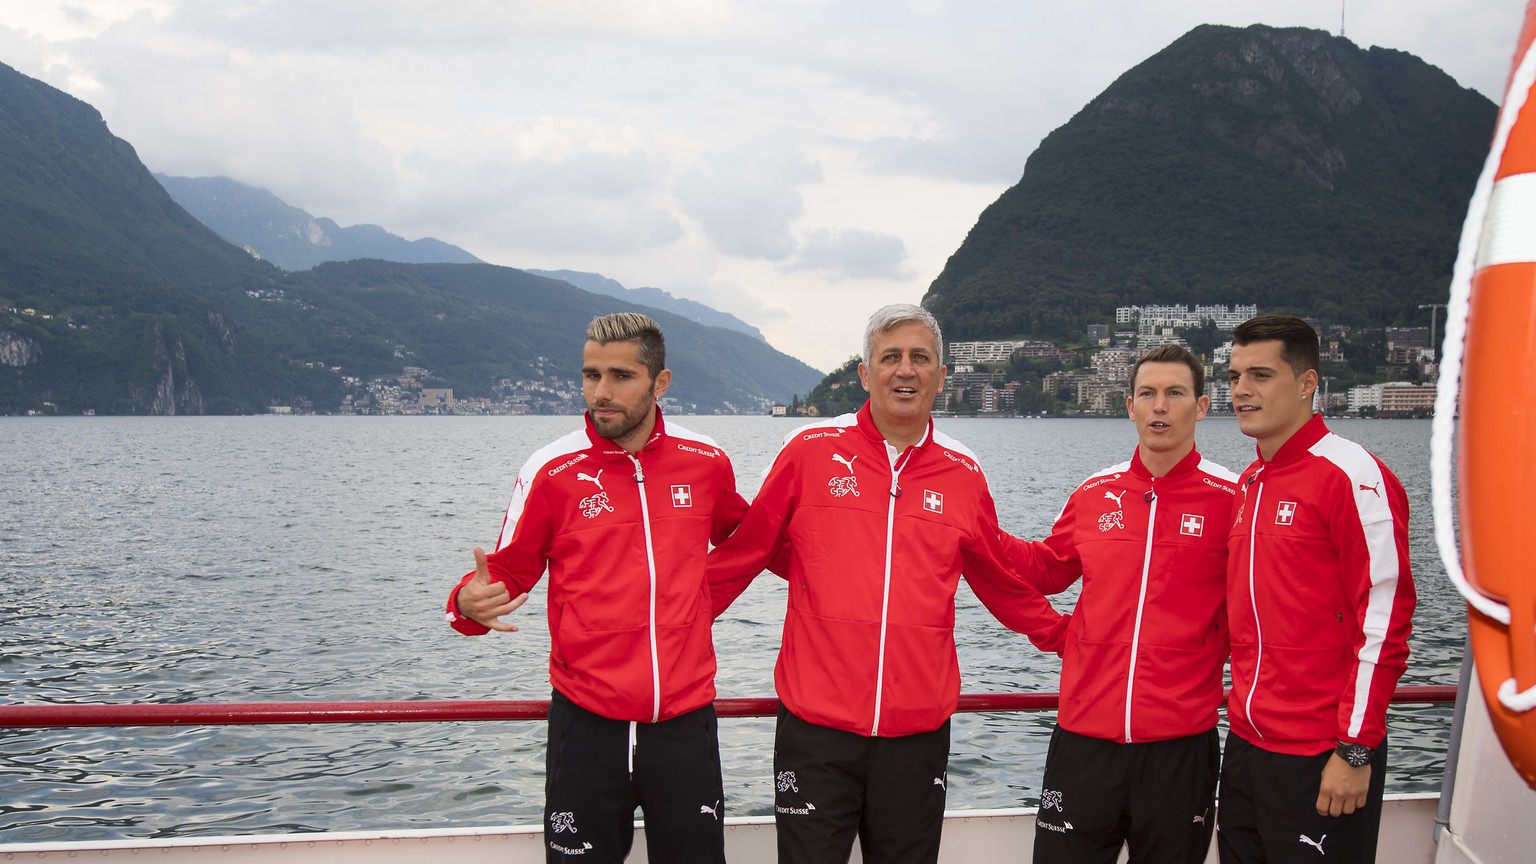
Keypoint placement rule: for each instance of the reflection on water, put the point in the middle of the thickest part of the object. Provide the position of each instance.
(290, 559)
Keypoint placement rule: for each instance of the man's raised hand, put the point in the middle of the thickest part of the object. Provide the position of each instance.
(486, 601)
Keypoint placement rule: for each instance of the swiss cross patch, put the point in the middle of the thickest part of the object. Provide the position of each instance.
(1285, 514)
(682, 496)
(1191, 524)
(933, 501)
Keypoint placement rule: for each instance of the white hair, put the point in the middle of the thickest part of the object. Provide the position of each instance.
(890, 316)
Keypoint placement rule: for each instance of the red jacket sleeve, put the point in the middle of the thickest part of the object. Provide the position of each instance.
(1370, 530)
(521, 558)
(730, 507)
(1052, 564)
(755, 544)
(1013, 599)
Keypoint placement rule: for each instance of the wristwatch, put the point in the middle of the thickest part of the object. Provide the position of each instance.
(1355, 755)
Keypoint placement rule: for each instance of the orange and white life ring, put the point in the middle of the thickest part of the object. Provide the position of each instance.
(1493, 293)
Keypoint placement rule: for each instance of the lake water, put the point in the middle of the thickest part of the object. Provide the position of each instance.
(308, 558)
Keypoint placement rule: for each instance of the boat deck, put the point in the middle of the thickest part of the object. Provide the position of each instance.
(1407, 837)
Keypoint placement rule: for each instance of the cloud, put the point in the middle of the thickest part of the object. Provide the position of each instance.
(851, 253)
(798, 162)
(560, 226)
(553, 185)
(746, 198)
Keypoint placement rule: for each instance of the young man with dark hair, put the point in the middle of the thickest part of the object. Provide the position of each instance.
(1135, 754)
(881, 513)
(621, 514)
(1320, 599)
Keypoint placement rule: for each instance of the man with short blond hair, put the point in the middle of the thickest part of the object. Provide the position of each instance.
(621, 515)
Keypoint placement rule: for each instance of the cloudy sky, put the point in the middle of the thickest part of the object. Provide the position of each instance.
(795, 162)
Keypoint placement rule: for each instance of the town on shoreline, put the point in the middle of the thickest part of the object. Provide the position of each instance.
(1385, 372)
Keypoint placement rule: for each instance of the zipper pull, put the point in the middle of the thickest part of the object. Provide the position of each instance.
(632, 742)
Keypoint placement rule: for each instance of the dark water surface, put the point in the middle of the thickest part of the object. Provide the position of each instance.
(304, 558)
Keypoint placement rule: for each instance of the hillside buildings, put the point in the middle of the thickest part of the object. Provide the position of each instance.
(1401, 399)
(1154, 319)
(986, 376)
(1005, 377)
(967, 353)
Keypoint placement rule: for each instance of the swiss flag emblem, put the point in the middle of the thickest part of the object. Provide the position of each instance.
(1285, 514)
(682, 496)
(1191, 525)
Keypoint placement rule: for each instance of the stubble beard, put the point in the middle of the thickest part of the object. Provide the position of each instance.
(627, 423)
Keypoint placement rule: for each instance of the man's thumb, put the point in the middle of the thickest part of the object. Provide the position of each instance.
(482, 569)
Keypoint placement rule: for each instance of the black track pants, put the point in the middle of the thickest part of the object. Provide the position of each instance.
(594, 780)
(1269, 810)
(1158, 797)
(831, 786)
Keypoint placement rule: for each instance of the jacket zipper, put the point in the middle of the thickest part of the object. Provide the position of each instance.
(1253, 601)
(1141, 605)
(885, 596)
(650, 563)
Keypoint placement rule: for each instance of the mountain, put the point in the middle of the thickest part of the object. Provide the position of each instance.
(474, 324)
(114, 299)
(1283, 167)
(276, 231)
(654, 298)
(107, 287)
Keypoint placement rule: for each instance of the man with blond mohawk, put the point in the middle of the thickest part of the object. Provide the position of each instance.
(621, 514)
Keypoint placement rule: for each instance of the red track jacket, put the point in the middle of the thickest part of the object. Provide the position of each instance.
(624, 539)
(1145, 652)
(1319, 595)
(876, 548)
